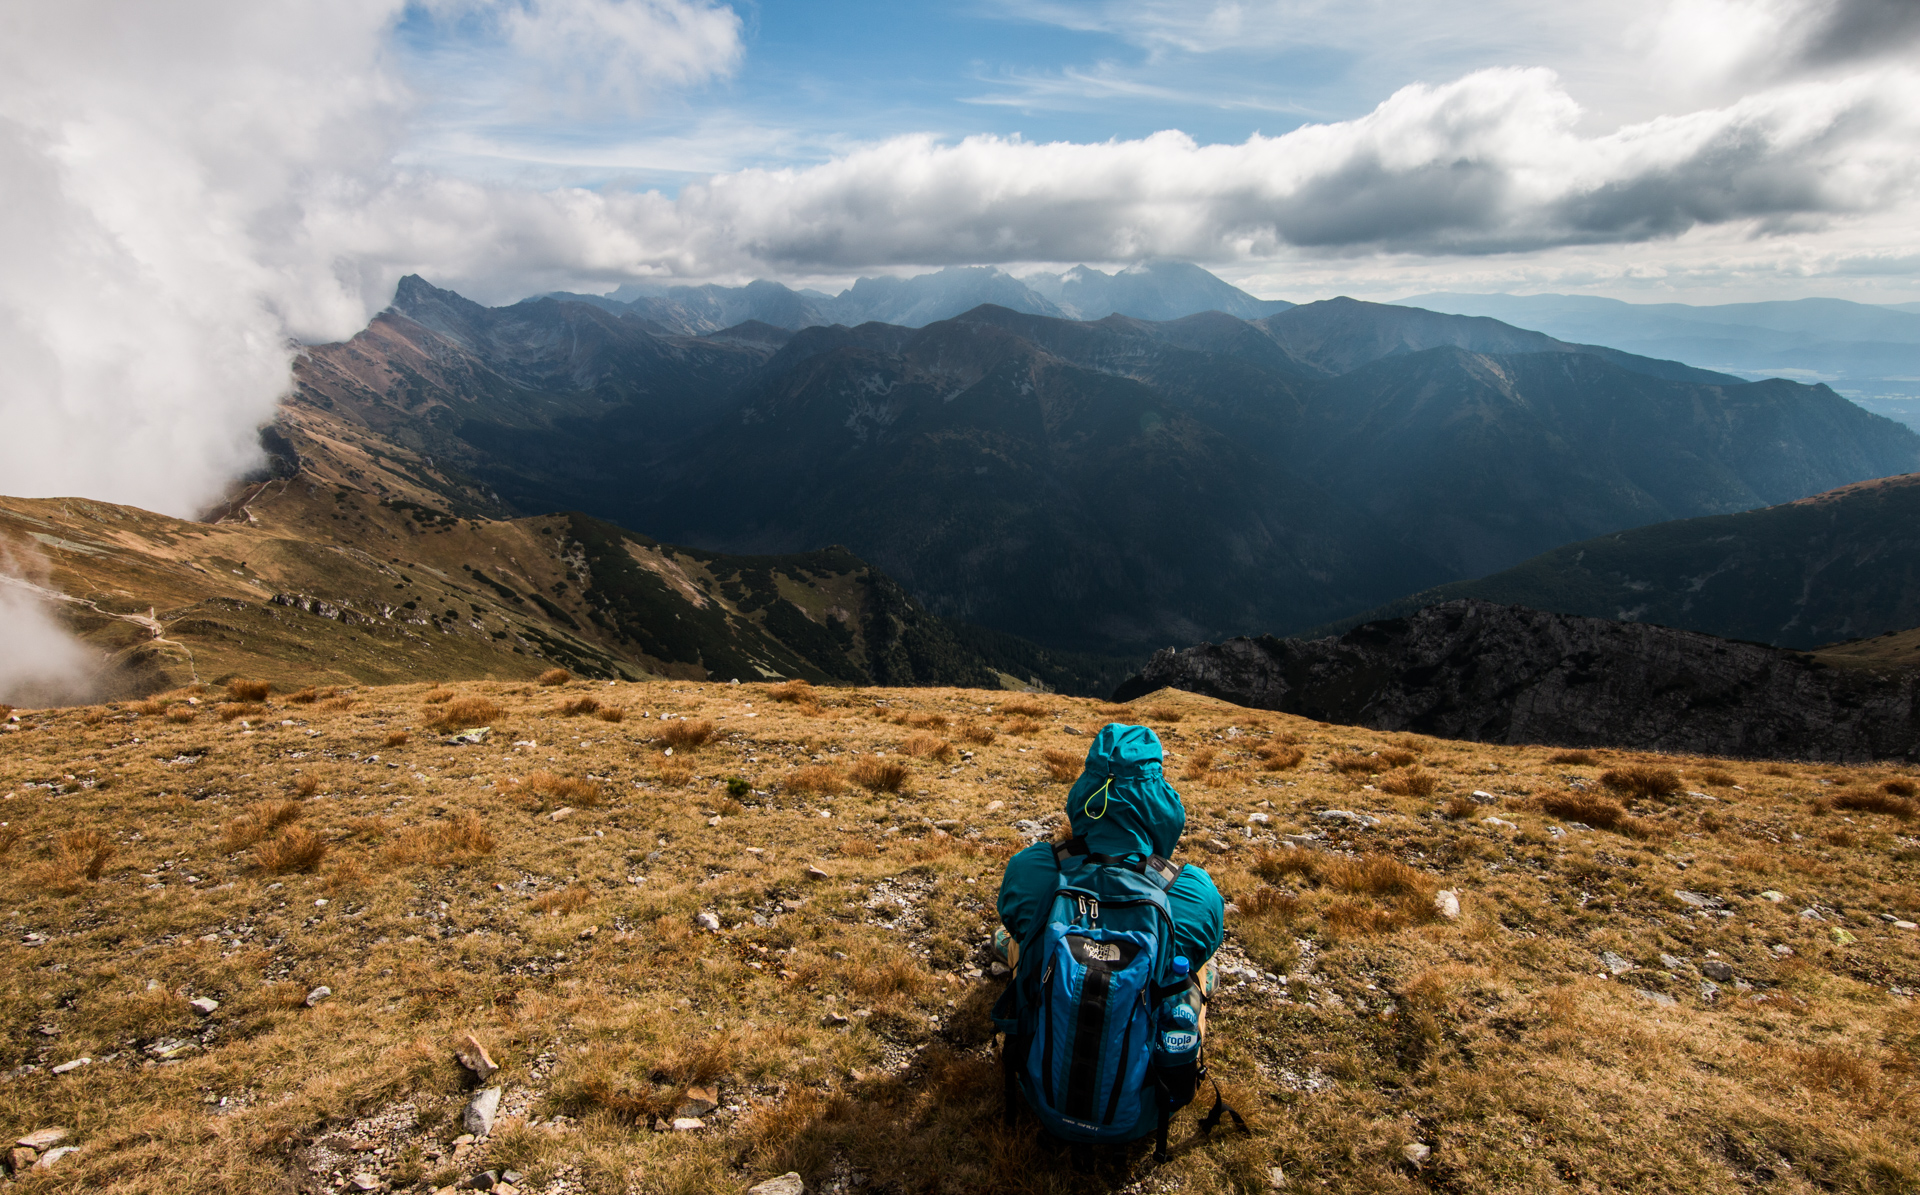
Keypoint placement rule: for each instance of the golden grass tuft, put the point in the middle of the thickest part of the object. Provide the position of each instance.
(1715, 778)
(1163, 713)
(83, 853)
(1353, 763)
(683, 735)
(1023, 726)
(465, 713)
(554, 676)
(1591, 809)
(1875, 801)
(397, 738)
(928, 746)
(261, 819)
(307, 784)
(1027, 707)
(1574, 758)
(799, 692)
(1062, 767)
(1460, 807)
(817, 778)
(1395, 757)
(979, 736)
(1642, 781)
(227, 711)
(463, 838)
(248, 690)
(180, 714)
(612, 713)
(880, 775)
(439, 696)
(1900, 787)
(1279, 757)
(295, 850)
(545, 790)
(1414, 782)
(562, 901)
(578, 706)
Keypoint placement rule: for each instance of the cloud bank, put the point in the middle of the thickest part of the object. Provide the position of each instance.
(187, 190)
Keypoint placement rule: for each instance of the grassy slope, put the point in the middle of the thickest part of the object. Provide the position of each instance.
(1355, 1023)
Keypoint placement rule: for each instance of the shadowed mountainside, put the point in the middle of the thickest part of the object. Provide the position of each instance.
(1505, 674)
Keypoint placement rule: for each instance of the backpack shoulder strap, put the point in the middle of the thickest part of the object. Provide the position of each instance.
(1162, 872)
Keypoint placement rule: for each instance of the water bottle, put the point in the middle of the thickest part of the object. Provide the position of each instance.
(1179, 1025)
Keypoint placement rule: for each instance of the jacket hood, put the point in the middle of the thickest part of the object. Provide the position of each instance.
(1121, 804)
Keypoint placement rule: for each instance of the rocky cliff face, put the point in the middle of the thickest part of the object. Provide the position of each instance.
(1507, 674)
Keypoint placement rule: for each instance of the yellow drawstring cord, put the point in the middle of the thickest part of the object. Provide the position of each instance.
(1088, 807)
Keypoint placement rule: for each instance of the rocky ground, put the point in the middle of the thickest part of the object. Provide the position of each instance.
(668, 936)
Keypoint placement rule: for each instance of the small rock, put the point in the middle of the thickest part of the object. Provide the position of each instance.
(687, 1124)
(1499, 823)
(1696, 900)
(1775, 897)
(318, 994)
(565, 811)
(44, 1138)
(1258, 819)
(1482, 797)
(1073, 730)
(833, 1020)
(1276, 1178)
(714, 820)
(168, 1049)
(1345, 815)
(787, 1184)
(1781, 950)
(1717, 970)
(206, 1006)
(947, 823)
(52, 1157)
(463, 1139)
(483, 1181)
(472, 1055)
(1447, 904)
(1670, 963)
(1416, 1153)
(992, 807)
(998, 969)
(708, 921)
(66, 1068)
(1811, 914)
(20, 1159)
(589, 932)
(478, 1118)
(1217, 847)
(699, 1101)
(364, 1182)
(1906, 925)
(512, 1176)
(1659, 998)
(815, 873)
(1842, 938)
(1614, 963)
(1709, 991)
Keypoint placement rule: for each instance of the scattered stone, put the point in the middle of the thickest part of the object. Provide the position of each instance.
(1906, 925)
(1811, 914)
(1416, 1152)
(477, 735)
(1276, 1178)
(699, 1101)
(1842, 938)
(589, 932)
(1696, 900)
(1346, 815)
(1614, 963)
(815, 873)
(52, 1157)
(1499, 823)
(483, 1181)
(708, 921)
(478, 1118)
(998, 969)
(1217, 847)
(1709, 992)
(1781, 950)
(1447, 904)
(714, 820)
(41, 1139)
(1717, 970)
(833, 1020)
(992, 807)
(169, 1049)
(1670, 962)
(688, 1124)
(1658, 998)
(364, 1182)
(472, 1055)
(1258, 819)
(206, 1006)
(565, 811)
(20, 1159)
(318, 994)
(1482, 797)
(67, 1068)
(1775, 897)
(787, 1184)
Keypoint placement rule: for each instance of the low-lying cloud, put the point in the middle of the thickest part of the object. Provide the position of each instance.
(186, 190)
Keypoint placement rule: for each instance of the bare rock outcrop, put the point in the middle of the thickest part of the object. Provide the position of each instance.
(1507, 674)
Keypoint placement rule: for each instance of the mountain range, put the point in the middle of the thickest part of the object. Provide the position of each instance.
(1154, 290)
(1100, 485)
(1868, 353)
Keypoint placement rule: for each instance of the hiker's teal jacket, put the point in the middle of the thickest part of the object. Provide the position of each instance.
(1121, 805)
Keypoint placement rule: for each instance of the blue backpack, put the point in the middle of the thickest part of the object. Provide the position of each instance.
(1101, 1019)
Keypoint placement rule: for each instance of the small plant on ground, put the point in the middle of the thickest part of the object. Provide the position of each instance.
(1414, 782)
(1591, 809)
(396, 738)
(296, 850)
(464, 713)
(1642, 781)
(578, 706)
(817, 778)
(545, 790)
(1278, 757)
(1573, 758)
(554, 676)
(880, 775)
(1062, 767)
(979, 736)
(1875, 801)
(248, 690)
(684, 735)
(928, 746)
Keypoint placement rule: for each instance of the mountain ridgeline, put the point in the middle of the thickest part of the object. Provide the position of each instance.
(1097, 486)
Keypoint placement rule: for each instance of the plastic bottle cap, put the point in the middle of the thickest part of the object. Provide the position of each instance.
(1180, 964)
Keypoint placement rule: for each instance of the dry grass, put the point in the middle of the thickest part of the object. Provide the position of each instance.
(1029, 707)
(395, 738)
(465, 713)
(818, 778)
(1062, 767)
(296, 850)
(439, 696)
(79, 856)
(1899, 787)
(1414, 782)
(1023, 726)
(260, 820)
(1580, 759)
(1642, 781)
(1354, 763)
(545, 790)
(1875, 801)
(612, 713)
(554, 676)
(1593, 810)
(979, 736)
(927, 746)
(230, 710)
(685, 735)
(880, 775)
(1279, 757)
(578, 706)
(179, 714)
(570, 947)
(1460, 806)
(248, 690)
(798, 692)
(1715, 778)
(1163, 713)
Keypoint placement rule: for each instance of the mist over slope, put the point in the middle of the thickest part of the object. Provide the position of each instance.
(1096, 485)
